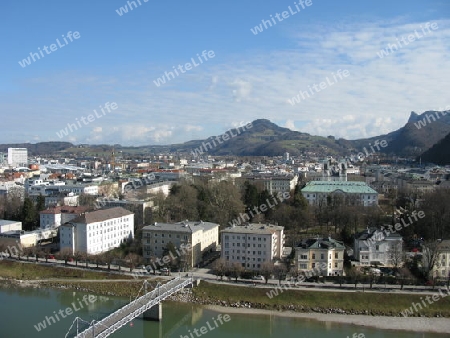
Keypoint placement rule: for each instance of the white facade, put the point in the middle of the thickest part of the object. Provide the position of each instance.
(324, 255)
(6, 226)
(280, 184)
(18, 157)
(252, 245)
(441, 267)
(201, 236)
(97, 231)
(373, 246)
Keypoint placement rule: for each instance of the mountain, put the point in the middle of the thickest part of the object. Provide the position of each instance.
(439, 153)
(420, 133)
(264, 138)
(40, 148)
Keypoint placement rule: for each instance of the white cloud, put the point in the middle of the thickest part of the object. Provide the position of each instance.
(376, 98)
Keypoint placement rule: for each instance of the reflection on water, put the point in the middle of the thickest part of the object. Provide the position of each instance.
(23, 308)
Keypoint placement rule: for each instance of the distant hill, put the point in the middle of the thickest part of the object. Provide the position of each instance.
(439, 153)
(40, 148)
(265, 138)
(415, 137)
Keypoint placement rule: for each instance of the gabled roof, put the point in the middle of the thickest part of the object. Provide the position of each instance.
(321, 243)
(102, 215)
(331, 186)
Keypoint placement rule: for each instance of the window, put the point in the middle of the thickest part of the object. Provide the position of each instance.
(313, 265)
(322, 256)
(336, 255)
(303, 266)
(313, 256)
(303, 256)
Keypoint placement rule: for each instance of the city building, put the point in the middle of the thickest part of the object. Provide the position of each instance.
(202, 237)
(441, 267)
(375, 247)
(18, 157)
(97, 231)
(357, 193)
(252, 245)
(321, 254)
(6, 225)
(55, 216)
(274, 184)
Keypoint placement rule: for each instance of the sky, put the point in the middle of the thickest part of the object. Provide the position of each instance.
(117, 59)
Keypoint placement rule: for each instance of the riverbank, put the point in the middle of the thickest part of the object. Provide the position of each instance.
(325, 302)
(434, 325)
(227, 295)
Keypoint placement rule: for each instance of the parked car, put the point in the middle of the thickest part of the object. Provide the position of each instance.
(50, 257)
(259, 277)
(164, 271)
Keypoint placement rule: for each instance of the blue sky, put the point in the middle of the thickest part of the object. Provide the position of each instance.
(118, 58)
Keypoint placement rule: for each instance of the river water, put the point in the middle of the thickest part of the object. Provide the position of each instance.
(22, 309)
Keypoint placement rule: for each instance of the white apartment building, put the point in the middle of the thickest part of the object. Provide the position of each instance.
(276, 184)
(441, 268)
(54, 217)
(252, 245)
(373, 247)
(97, 231)
(202, 236)
(323, 255)
(359, 193)
(56, 188)
(18, 157)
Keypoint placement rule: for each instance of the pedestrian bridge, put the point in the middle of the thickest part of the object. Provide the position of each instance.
(149, 304)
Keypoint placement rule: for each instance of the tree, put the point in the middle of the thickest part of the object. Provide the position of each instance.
(77, 256)
(133, 260)
(29, 214)
(430, 250)
(266, 270)
(396, 254)
(65, 254)
(235, 270)
(108, 257)
(219, 267)
(280, 272)
(354, 274)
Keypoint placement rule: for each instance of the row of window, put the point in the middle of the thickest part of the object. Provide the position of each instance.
(227, 245)
(248, 252)
(322, 256)
(227, 237)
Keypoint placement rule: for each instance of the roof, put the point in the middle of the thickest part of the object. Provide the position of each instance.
(185, 226)
(65, 210)
(254, 228)
(331, 186)
(321, 243)
(6, 222)
(101, 215)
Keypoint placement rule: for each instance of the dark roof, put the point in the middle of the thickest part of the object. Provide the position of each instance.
(102, 215)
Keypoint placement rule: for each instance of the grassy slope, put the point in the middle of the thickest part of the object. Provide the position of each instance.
(359, 302)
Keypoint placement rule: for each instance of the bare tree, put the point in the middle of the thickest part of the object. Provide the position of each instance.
(65, 254)
(396, 255)
(219, 267)
(266, 270)
(280, 272)
(430, 250)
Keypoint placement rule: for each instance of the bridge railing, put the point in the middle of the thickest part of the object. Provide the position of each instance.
(134, 309)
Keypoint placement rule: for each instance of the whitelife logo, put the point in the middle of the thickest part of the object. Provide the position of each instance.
(71, 127)
(411, 38)
(53, 47)
(285, 14)
(341, 74)
(187, 66)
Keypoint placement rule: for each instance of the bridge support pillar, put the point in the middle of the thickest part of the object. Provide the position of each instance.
(154, 313)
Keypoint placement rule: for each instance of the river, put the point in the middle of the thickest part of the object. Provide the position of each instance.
(22, 309)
